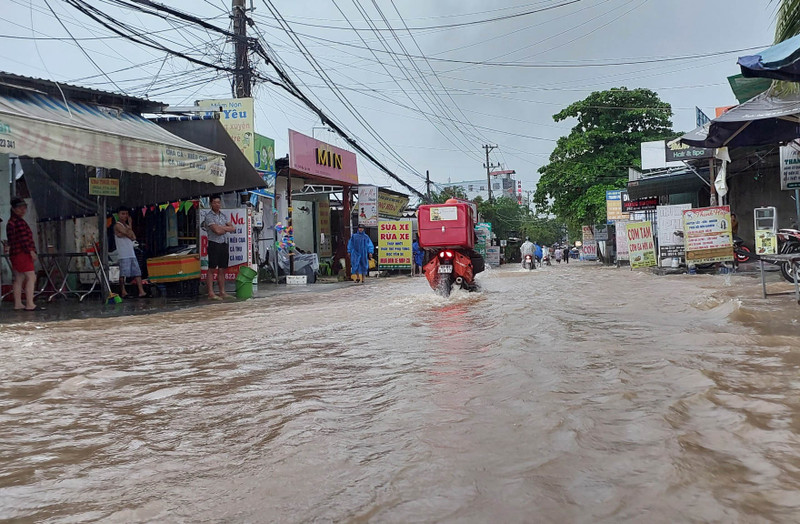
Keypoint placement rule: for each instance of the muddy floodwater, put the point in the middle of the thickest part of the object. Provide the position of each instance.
(571, 394)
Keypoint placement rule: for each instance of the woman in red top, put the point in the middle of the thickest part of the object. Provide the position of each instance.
(22, 252)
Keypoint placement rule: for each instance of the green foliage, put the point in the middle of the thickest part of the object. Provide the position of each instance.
(596, 154)
(447, 193)
(509, 219)
(787, 20)
(546, 231)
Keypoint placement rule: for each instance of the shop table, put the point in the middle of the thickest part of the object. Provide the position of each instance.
(791, 258)
(57, 268)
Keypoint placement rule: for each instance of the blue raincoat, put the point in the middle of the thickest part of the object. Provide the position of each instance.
(360, 246)
(418, 253)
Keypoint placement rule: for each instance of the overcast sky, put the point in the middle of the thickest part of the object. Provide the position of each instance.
(434, 109)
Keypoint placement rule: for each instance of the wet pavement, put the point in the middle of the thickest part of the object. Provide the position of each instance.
(575, 393)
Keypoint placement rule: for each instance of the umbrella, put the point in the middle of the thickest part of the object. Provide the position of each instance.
(780, 62)
(765, 119)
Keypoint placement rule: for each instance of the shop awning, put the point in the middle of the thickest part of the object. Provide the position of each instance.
(669, 184)
(40, 126)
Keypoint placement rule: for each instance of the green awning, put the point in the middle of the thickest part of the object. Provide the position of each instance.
(746, 88)
(660, 185)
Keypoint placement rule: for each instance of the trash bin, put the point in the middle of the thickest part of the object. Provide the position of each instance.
(244, 282)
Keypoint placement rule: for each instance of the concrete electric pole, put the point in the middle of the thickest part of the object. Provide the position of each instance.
(243, 78)
(489, 167)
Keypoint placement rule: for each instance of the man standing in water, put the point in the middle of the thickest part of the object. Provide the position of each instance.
(360, 248)
(217, 224)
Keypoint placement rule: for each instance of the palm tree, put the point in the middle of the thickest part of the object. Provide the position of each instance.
(787, 19)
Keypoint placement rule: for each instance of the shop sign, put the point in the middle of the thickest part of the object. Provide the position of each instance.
(676, 151)
(670, 221)
(589, 244)
(265, 164)
(641, 247)
(493, 255)
(314, 157)
(766, 242)
(614, 206)
(324, 228)
(368, 206)
(707, 235)
(104, 187)
(622, 240)
(394, 244)
(237, 117)
(790, 165)
(391, 205)
(483, 236)
(601, 232)
(639, 204)
(240, 243)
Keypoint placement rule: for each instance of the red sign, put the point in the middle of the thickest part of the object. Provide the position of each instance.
(311, 156)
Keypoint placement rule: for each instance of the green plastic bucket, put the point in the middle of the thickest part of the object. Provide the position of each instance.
(244, 288)
(247, 273)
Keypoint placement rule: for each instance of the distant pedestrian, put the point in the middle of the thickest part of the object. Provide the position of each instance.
(217, 225)
(360, 249)
(559, 253)
(566, 254)
(419, 255)
(22, 253)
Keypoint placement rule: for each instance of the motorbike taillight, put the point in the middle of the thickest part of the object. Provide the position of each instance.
(445, 254)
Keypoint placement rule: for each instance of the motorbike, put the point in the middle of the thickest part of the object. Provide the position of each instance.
(453, 267)
(527, 262)
(741, 252)
(788, 242)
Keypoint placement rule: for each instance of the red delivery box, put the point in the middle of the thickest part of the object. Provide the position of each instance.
(446, 225)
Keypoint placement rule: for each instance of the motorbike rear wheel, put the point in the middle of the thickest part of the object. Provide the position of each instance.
(444, 285)
(787, 272)
(742, 253)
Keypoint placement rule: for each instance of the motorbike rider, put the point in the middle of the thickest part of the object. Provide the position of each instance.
(537, 251)
(526, 249)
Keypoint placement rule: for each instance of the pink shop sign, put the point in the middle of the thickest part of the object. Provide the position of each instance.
(312, 156)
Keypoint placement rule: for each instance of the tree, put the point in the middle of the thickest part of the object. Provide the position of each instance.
(447, 193)
(787, 20)
(596, 154)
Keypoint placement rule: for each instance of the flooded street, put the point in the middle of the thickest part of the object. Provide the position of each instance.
(575, 393)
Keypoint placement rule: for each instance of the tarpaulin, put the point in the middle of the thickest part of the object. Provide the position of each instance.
(40, 126)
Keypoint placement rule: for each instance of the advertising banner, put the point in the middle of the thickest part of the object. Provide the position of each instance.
(676, 151)
(483, 237)
(639, 204)
(314, 157)
(493, 255)
(614, 206)
(707, 235)
(394, 244)
(670, 221)
(766, 242)
(391, 205)
(265, 164)
(240, 243)
(237, 117)
(790, 165)
(622, 240)
(641, 247)
(368, 206)
(601, 232)
(324, 228)
(589, 245)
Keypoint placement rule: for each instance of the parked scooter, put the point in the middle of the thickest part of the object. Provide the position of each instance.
(788, 242)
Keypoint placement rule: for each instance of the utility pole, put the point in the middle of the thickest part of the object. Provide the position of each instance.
(242, 78)
(489, 167)
(428, 184)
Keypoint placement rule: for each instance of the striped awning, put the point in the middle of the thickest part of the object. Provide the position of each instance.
(40, 126)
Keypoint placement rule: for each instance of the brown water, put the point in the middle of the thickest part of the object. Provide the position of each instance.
(570, 394)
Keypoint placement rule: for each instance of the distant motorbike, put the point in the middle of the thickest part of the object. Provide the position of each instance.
(527, 262)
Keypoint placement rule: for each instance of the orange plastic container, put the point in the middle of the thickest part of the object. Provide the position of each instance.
(446, 225)
(173, 268)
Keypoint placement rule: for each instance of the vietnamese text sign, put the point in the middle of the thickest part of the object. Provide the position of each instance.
(237, 117)
(601, 232)
(614, 206)
(240, 243)
(670, 221)
(589, 245)
(641, 247)
(391, 205)
(622, 240)
(314, 157)
(790, 165)
(368, 206)
(265, 164)
(766, 242)
(483, 236)
(394, 244)
(676, 151)
(104, 186)
(493, 255)
(640, 204)
(707, 235)
(324, 228)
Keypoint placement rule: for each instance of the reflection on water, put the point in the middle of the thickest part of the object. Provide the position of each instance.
(574, 393)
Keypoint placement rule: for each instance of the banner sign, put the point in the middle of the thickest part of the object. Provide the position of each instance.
(391, 205)
(669, 221)
(676, 151)
(790, 165)
(493, 255)
(707, 235)
(622, 240)
(641, 247)
(104, 187)
(368, 206)
(394, 244)
(324, 228)
(314, 157)
(614, 206)
(601, 232)
(483, 237)
(237, 117)
(639, 204)
(589, 245)
(265, 164)
(240, 243)
(766, 242)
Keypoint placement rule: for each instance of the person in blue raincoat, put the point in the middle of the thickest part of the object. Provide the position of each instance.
(360, 249)
(419, 256)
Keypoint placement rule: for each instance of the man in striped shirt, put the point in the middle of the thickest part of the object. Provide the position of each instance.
(22, 252)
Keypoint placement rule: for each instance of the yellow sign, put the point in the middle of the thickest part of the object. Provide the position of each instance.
(324, 228)
(104, 187)
(766, 242)
(237, 117)
(394, 244)
(390, 205)
(640, 244)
